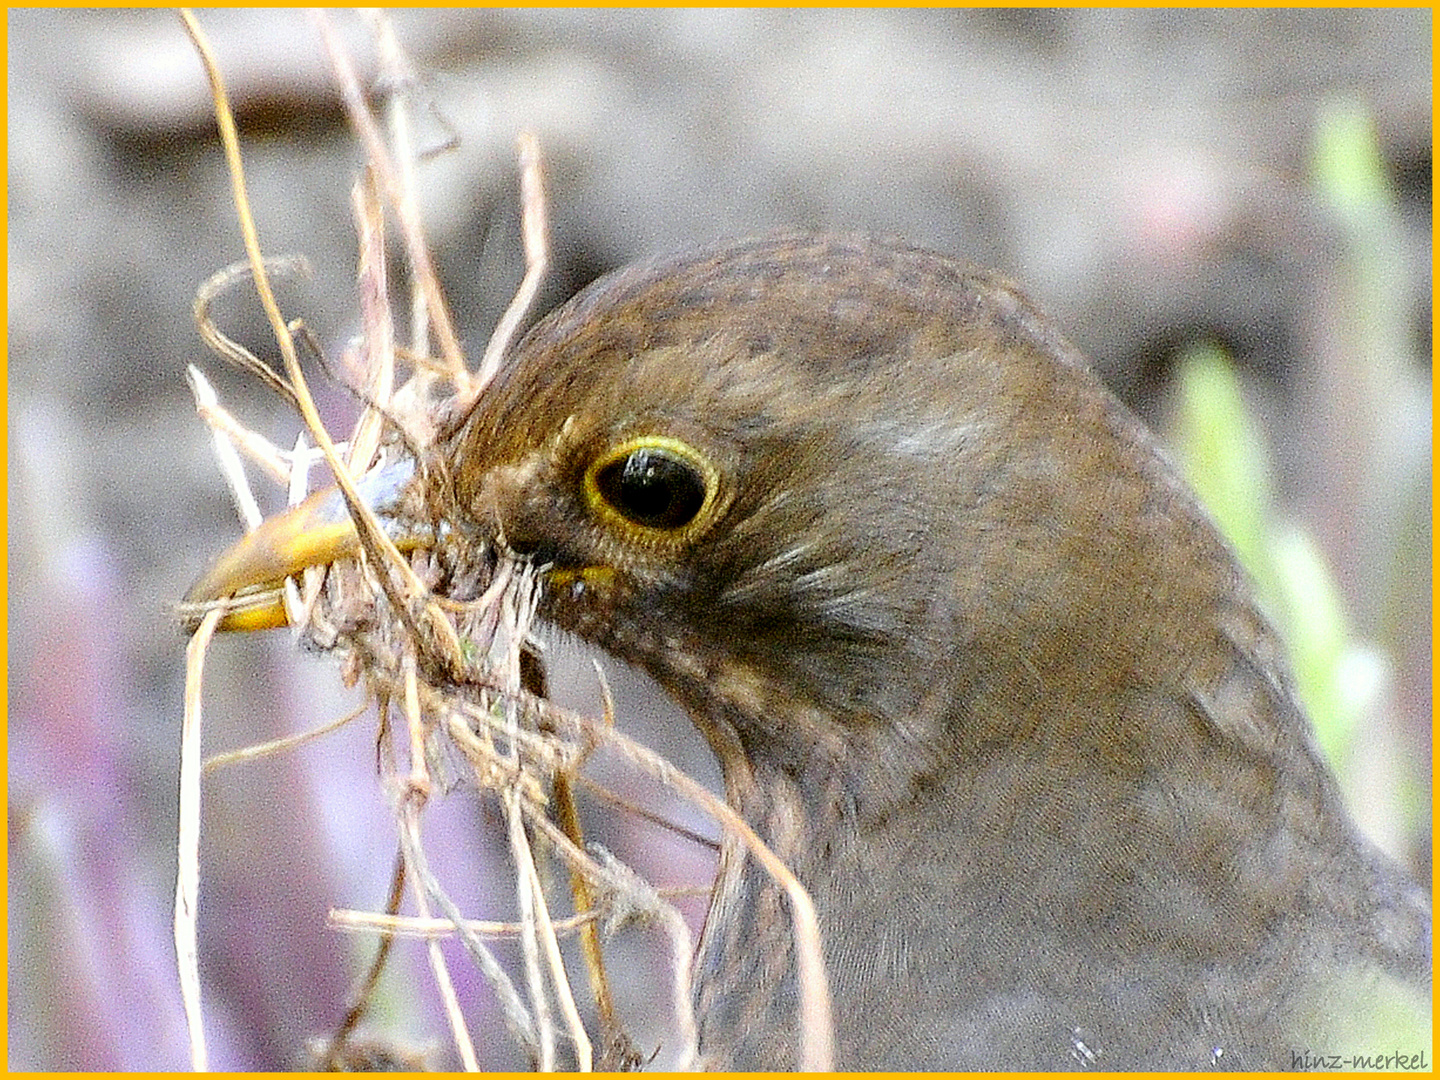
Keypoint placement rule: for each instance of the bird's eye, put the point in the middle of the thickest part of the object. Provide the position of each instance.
(654, 482)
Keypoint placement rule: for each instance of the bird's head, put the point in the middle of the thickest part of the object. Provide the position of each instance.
(843, 498)
(976, 666)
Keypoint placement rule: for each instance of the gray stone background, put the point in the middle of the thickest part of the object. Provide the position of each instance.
(1146, 174)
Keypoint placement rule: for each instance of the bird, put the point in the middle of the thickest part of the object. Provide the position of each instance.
(973, 660)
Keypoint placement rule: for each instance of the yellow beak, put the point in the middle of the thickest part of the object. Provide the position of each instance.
(247, 579)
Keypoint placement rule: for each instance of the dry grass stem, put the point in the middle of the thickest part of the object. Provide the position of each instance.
(224, 432)
(411, 926)
(223, 344)
(282, 745)
(187, 878)
(534, 233)
(377, 355)
(424, 888)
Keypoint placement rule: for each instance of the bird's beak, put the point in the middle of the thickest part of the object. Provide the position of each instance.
(247, 578)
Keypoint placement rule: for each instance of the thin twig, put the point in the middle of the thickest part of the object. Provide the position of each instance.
(535, 235)
(377, 358)
(583, 1053)
(222, 435)
(255, 751)
(413, 926)
(627, 806)
(187, 879)
(419, 873)
(225, 346)
(526, 887)
(365, 993)
(397, 77)
(517, 1015)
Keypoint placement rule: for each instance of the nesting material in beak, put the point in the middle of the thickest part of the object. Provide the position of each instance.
(247, 578)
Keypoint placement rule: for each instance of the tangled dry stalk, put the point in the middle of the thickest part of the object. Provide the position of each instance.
(452, 680)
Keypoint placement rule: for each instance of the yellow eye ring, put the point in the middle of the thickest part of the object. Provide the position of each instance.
(655, 483)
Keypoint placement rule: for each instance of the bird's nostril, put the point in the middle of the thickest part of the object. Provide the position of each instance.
(528, 529)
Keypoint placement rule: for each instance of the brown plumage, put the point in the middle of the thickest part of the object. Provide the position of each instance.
(973, 661)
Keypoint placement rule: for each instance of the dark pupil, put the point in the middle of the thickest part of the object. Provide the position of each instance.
(654, 488)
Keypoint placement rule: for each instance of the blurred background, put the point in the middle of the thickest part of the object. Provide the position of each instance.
(1229, 211)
